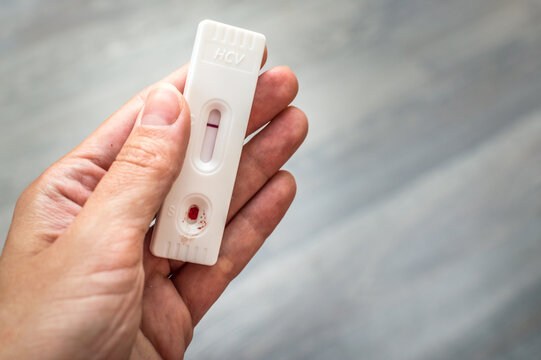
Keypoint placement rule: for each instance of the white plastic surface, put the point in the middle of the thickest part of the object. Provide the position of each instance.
(219, 89)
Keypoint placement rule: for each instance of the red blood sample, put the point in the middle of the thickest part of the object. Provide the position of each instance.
(193, 213)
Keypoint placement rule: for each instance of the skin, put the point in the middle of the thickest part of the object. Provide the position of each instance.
(76, 277)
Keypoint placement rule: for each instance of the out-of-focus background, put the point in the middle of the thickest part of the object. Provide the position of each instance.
(416, 232)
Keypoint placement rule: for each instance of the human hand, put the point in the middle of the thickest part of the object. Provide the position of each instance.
(76, 276)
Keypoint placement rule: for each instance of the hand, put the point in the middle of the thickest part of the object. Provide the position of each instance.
(76, 276)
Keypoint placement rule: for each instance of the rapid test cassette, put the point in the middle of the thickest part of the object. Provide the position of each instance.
(219, 90)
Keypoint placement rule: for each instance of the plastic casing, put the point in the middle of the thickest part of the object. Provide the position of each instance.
(223, 75)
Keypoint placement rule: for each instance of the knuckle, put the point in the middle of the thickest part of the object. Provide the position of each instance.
(146, 153)
(226, 267)
(45, 181)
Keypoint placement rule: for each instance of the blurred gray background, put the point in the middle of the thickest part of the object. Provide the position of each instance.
(416, 231)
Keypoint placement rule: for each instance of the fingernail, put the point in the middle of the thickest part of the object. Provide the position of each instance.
(162, 107)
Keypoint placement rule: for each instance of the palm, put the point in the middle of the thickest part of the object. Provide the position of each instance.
(177, 295)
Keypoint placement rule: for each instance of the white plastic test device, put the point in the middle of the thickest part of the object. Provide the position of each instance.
(219, 89)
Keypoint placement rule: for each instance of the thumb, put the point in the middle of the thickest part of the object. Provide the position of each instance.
(124, 203)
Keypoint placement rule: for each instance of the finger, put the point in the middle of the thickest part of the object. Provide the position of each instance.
(165, 320)
(129, 195)
(266, 153)
(276, 89)
(201, 285)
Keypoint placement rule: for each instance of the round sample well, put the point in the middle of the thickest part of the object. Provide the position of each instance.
(194, 214)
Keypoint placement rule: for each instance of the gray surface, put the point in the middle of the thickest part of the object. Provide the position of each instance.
(416, 232)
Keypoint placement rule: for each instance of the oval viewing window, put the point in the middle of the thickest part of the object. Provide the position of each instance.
(209, 141)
